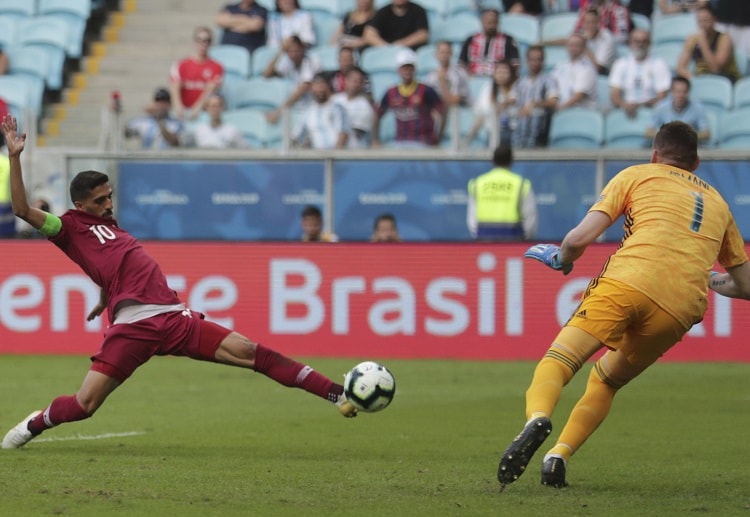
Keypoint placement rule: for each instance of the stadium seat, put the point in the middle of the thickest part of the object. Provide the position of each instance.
(741, 59)
(387, 128)
(734, 130)
(31, 64)
(380, 82)
(50, 34)
(328, 56)
(18, 9)
(261, 94)
(558, 26)
(14, 91)
(456, 28)
(673, 28)
(622, 132)
(334, 7)
(452, 7)
(426, 61)
(576, 128)
(742, 93)
(8, 32)
(713, 91)
(523, 27)
(714, 124)
(73, 12)
(466, 117)
(325, 26)
(477, 84)
(554, 54)
(261, 57)
(254, 127)
(641, 21)
(603, 99)
(380, 59)
(236, 60)
(669, 52)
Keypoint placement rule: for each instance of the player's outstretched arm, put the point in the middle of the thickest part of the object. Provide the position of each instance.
(735, 283)
(19, 201)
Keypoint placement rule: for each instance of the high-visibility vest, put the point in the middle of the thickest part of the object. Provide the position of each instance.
(499, 196)
(7, 219)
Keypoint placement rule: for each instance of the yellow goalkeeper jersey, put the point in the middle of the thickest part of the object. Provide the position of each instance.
(676, 227)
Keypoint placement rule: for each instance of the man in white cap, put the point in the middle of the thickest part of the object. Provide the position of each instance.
(415, 105)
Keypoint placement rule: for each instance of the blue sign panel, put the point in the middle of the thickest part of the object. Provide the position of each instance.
(429, 198)
(217, 200)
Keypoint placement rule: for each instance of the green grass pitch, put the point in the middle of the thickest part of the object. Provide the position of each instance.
(211, 440)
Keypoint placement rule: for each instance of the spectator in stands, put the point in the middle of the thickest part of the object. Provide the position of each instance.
(600, 43)
(501, 204)
(576, 77)
(415, 105)
(710, 51)
(4, 62)
(481, 51)
(531, 7)
(679, 107)
(350, 32)
(400, 23)
(158, 129)
(345, 61)
(243, 24)
(325, 123)
(359, 108)
(667, 7)
(215, 133)
(639, 80)
(612, 15)
(293, 63)
(194, 79)
(311, 221)
(537, 99)
(734, 19)
(385, 229)
(449, 80)
(290, 20)
(496, 107)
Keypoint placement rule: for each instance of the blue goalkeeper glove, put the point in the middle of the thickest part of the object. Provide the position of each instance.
(549, 255)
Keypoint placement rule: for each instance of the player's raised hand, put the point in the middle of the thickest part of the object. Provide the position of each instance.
(549, 255)
(13, 141)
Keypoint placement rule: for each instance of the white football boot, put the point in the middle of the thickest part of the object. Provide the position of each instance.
(20, 434)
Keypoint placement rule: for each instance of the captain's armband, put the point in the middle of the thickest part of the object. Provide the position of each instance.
(52, 226)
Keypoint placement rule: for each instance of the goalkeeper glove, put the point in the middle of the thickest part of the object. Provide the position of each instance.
(549, 255)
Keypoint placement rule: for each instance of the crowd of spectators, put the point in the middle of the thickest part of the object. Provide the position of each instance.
(510, 87)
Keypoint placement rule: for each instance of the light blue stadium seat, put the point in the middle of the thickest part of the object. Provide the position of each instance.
(325, 26)
(742, 93)
(741, 59)
(603, 98)
(734, 130)
(554, 54)
(576, 128)
(31, 64)
(673, 28)
(381, 81)
(380, 59)
(477, 84)
(14, 91)
(713, 91)
(669, 52)
(261, 57)
(258, 133)
(451, 7)
(18, 9)
(714, 123)
(328, 56)
(622, 132)
(426, 61)
(641, 21)
(73, 12)
(236, 60)
(334, 7)
(387, 128)
(50, 34)
(261, 94)
(466, 117)
(523, 27)
(558, 26)
(456, 28)
(8, 32)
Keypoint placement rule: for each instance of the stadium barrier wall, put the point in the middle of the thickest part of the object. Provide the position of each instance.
(359, 300)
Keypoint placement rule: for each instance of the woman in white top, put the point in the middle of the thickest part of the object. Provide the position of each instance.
(289, 20)
(496, 106)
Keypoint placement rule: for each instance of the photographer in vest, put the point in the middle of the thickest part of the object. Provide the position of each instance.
(501, 206)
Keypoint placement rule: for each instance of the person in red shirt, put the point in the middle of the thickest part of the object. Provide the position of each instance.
(194, 79)
(612, 15)
(146, 317)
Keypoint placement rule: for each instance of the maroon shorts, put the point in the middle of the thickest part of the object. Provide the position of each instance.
(126, 346)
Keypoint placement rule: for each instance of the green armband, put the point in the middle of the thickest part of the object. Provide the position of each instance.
(52, 226)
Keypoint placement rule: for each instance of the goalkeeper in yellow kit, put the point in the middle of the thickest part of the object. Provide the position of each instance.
(647, 296)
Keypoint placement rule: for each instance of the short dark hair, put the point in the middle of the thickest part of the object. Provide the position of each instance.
(681, 79)
(384, 217)
(677, 143)
(84, 183)
(502, 156)
(312, 211)
(322, 76)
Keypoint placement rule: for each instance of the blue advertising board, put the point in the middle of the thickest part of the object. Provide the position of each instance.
(201, 200)
(429, 198)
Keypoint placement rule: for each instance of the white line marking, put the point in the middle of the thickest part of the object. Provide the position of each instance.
(89, 437)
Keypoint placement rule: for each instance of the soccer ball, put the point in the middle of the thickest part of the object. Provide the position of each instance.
(369, 386)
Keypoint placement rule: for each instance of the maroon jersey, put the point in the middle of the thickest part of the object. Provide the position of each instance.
(113, 259)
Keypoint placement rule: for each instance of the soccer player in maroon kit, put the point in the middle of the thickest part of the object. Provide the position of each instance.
(146, 317)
